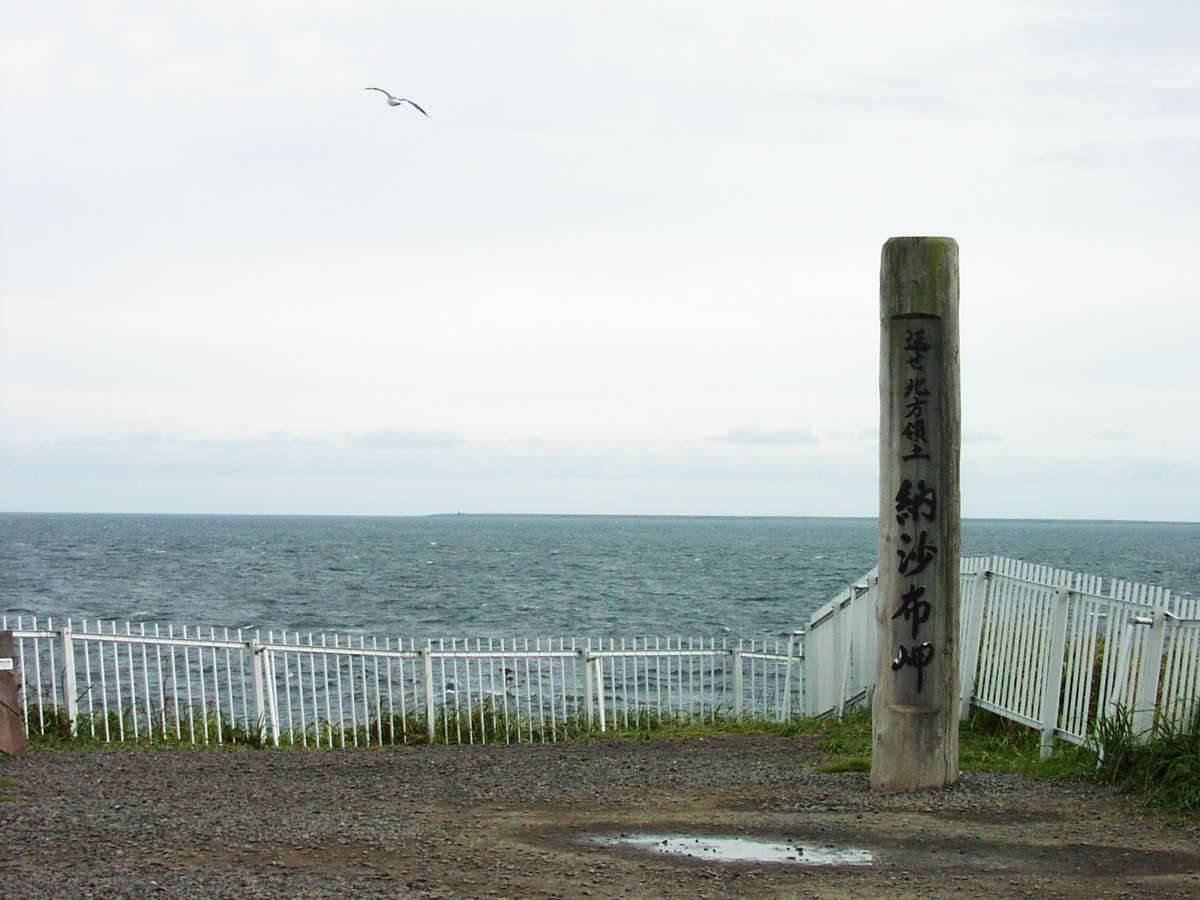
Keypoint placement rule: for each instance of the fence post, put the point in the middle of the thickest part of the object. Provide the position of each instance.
(588, 688)
(599, 676)
(70, 700)
(427, 656)
(260, 708)
(1052, 670)
(915, 707)
(736, 655)
(785, 706)
(1146, 702)
(272, 691)
(970, 660)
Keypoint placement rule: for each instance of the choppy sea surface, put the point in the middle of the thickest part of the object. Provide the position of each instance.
(505, 576)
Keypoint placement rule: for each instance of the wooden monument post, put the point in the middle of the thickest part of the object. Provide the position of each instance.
(916, 703)
(12, 731)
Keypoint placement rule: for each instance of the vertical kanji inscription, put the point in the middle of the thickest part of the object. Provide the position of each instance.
(917, 360)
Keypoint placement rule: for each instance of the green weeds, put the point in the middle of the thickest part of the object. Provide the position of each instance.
(1164, 769)
(847, 742)
(991, 743)
(49, 727)
(481, 723)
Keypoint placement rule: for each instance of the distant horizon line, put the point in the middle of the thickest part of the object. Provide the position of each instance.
(551, 515)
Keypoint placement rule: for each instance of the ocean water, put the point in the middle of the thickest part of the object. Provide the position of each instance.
(505, 576)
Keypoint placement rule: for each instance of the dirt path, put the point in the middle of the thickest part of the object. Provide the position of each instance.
(515, 822)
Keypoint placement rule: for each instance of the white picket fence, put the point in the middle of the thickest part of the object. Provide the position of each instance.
(115, 682)
(1053, 649)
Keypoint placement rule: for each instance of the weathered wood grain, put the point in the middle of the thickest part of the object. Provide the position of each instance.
(915, 705)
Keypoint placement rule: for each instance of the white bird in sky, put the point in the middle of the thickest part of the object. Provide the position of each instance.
(396, 101)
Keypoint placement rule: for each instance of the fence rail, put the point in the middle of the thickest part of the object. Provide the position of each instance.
(114, 682)
(1053, 649)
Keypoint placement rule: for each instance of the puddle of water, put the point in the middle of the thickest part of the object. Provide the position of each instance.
(731, 849)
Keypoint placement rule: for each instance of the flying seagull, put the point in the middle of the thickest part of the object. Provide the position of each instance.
(396, 101)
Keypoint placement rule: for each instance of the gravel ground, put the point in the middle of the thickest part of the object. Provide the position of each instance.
(513, 822)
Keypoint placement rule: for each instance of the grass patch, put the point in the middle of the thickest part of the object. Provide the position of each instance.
(6, 783)
(654, 727)
(48, 729)
(847, 742)
(849, 735)
(846, 764)
(1165, 770)
(987, 743)
(482, 723)
(991, 743)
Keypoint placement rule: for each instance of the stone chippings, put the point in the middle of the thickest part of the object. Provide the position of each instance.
(506, 821)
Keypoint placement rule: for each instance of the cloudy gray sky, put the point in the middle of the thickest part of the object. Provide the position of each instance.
(629, 264)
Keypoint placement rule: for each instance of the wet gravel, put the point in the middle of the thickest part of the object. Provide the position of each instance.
(513, 821)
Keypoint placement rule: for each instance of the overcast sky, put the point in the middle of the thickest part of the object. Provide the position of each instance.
(628, 264)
